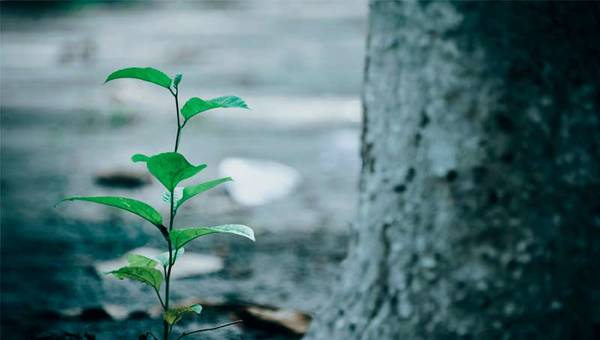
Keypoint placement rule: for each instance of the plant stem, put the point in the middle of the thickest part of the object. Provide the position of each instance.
(167, 329)
(176, 95)
(167, 269)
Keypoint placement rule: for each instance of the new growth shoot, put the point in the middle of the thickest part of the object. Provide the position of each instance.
(169, 168)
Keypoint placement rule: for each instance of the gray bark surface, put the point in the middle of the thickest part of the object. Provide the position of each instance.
(479, 207)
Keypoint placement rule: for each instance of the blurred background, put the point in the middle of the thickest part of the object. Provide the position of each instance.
(294, 157)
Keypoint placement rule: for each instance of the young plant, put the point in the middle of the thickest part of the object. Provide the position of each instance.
(169, 168)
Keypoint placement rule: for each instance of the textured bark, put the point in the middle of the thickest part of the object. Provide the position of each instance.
(479, 212)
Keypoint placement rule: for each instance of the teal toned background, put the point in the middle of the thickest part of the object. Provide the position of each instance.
(299, 67)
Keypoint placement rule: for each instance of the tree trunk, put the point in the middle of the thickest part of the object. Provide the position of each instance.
(479, 212)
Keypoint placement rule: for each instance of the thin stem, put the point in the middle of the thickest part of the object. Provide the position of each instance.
(208, 329)
(179, 126)
(167, 329)
(172, 212)
(168, 277)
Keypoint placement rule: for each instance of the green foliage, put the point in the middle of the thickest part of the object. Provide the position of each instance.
(169, 168)
(148, 74)
(193, 190)
(150, 276)
(172, 316)
(136, 260)
(181, 237)
(196, 105)
(139, 208)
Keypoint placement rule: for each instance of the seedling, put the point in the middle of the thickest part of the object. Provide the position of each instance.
(169, 168)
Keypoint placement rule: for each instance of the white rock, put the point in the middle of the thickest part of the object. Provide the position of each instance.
(188, 265)
(257, 182)
(117, 312)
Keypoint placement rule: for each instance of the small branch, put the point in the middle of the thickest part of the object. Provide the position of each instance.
(208, 329)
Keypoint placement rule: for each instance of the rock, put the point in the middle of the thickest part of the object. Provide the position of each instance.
(139, 315)
(257, 182)
(95, 314)
(189, 265)
(122, 179)
(117, 312)
(193, 264)
(283, 321)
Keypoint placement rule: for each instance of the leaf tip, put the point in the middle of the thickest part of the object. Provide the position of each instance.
(177, 80)
(63, 200)
(138, 157)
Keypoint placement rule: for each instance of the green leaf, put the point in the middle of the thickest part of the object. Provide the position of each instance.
(136, 260)
(148, 74)
(150, 276)
(164, 257)
(177, 80)
(139, 208)
(181, 237)
(138, 157)
(193, 190)
(172, 316)
(170, 168)
(196, 105)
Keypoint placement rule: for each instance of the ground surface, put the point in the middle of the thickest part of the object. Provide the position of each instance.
(299, 68)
